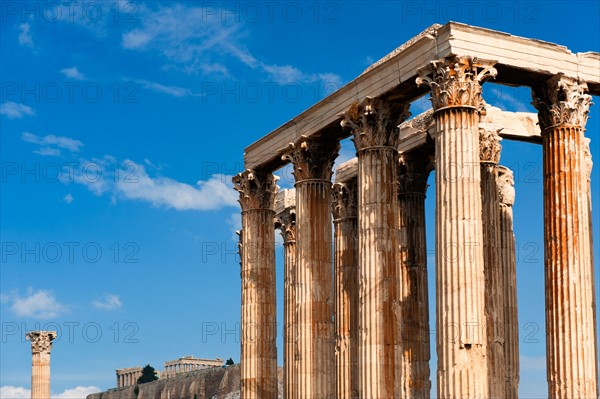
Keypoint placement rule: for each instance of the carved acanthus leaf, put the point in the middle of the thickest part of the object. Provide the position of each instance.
(344, 200)
(489, 145)
(312, 158)
(41, 341)
(456, 81)
(506, 186)
(374, 122)
(561, 101)
(257, 189)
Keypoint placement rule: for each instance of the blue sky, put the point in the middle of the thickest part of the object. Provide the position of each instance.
(121, 125)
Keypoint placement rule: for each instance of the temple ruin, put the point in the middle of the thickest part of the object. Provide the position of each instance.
(356, 317)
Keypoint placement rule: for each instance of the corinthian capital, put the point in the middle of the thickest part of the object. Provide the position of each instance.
(285, 221)
(374, 122)
(257, 189)
(506, 186)
(489, 146)
(456, 81)
(41, 341)
(312, 158)
(344, 200)
(561, 101)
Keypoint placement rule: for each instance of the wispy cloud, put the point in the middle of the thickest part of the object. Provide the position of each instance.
(25, 38)
(51, 145)
(170, 90)
(68, 198)
(73, 73)
(12, 392)
(108, 302)
(14, 110)
(197, 41)
(40, 304)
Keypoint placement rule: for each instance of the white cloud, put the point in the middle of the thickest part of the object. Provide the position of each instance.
(25, 38)
(109, 302)
(197, 40)
(130, 180)
(76, 393)
(163, 191)
(73, 73)
(51, 144)
(68, 198)
(12, 392)
(40, 304)
(14, 110)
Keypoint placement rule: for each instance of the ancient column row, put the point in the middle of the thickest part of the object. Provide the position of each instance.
(128, 376)
(41, 346)
(372, 342)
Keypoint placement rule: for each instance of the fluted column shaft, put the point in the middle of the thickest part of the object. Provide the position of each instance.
(461, 338)
(315, 359)
(286, 222)
(489, 150)
(346, 288)
(40, 375)
(258, 320)
(506, 197)
(412, 178)
(570, 298)
(374, 124)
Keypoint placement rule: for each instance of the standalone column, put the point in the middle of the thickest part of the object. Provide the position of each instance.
(41, 346)
(570, 320)
(461, 338)
(315, 367)
(506, 197)
(258, 350)
(412, 184)
(345, 274)
(285, 221)
(489, 152)
(374, 125)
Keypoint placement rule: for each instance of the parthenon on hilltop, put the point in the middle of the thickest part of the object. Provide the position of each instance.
(356, 323)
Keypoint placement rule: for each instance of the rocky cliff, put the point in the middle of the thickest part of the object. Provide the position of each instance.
(216, 383)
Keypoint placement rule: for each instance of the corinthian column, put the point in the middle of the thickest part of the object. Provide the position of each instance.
(41, 346)
(412, 184)
(570, 298)
(258, 348)
(374, 124)
(489, 153)
(285, 221)
(461, 339)
(506, 197)
(346, 288)
(315, 361)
